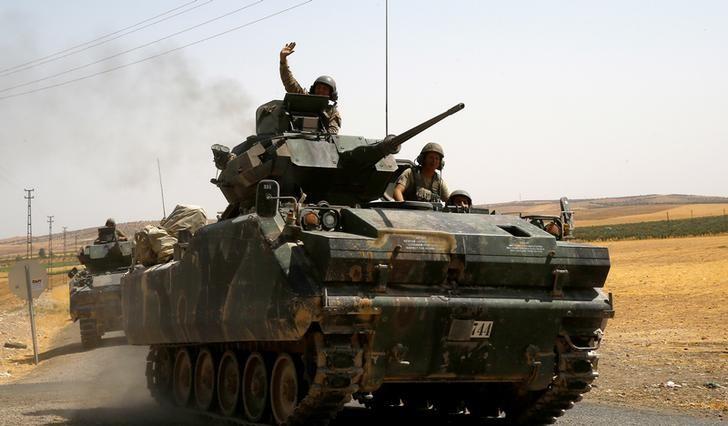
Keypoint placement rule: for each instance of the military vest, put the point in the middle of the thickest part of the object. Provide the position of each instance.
(421, 191)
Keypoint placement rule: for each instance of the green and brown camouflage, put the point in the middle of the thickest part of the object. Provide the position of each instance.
(291, 148)
(345, 296)
(95, 291)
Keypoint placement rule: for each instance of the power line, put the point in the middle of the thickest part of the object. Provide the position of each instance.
(5, 71)
(104, 41)
(116, 55)
(247, 24)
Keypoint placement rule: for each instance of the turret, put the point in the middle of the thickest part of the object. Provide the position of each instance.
(107, 253)
(292, 147)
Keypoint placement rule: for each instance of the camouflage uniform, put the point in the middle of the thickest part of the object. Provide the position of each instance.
(331, 112)
(120, 235)
(419, 188)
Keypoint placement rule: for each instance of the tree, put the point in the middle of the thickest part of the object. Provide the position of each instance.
(42, 253)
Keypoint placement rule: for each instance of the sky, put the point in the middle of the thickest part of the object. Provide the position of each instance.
(575, 98)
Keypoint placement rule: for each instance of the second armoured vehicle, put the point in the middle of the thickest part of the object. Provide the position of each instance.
(95, 291)
(311, 290)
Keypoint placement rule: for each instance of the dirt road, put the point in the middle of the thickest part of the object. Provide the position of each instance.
(106, 386)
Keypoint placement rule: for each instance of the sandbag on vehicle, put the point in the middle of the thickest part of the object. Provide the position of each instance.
(184, 217)
(153, 245)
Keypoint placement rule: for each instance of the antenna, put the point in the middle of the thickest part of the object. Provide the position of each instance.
(386, 67)
(161, 189)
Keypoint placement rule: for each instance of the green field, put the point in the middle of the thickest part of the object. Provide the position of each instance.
(658, 229)
(5, 265)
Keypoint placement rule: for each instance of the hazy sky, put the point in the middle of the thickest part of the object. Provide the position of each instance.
(576, 98)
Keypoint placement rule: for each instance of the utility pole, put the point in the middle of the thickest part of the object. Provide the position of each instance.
(75, 242)
(50, 250)
(29, 240)
(64, 245)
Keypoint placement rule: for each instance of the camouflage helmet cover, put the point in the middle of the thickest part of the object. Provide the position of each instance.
(329, 81)
(110, 222)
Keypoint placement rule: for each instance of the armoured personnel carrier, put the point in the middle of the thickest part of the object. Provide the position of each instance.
(95, 291)
(313, 289)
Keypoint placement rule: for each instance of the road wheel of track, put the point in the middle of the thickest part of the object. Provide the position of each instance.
(160, 365)
(89, 333)
(165, 368)
(228, 383)
(182, 377)
(204, 380)
(284, 388)
(255, 387)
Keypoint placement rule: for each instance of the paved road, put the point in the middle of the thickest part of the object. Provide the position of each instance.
(106, 387)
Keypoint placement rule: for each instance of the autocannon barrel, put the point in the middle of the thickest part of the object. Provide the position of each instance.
(366, 156)
(396, 141)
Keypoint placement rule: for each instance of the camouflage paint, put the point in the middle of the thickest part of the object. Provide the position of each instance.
(393, 288)
(238, 283)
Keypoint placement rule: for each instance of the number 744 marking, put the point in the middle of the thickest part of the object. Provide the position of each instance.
(481, 329)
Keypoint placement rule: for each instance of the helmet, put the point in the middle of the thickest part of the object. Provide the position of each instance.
(110, 222)
(432, 147)
(325, 79)
(460, 193)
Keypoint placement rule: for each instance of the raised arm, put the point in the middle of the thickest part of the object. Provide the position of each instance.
(289, 82)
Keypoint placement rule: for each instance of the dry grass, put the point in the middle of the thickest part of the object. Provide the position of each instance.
(612, 211)
(671, 299)
(51, 316)
(635, 214)
(594, 216)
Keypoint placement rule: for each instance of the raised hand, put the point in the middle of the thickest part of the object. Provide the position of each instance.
(287, 50)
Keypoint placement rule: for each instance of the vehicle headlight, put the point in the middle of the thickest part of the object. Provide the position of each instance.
(329, 219)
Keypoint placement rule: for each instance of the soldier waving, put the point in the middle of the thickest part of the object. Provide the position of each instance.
(323, 86)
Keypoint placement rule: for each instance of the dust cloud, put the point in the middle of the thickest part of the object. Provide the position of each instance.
(102, 386)
(90, 148)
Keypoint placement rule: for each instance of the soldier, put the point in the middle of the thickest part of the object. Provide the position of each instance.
(111, 223)
(460, 198)
(323, 86)
(423, 183)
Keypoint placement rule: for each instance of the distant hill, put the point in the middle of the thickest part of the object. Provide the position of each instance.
(11, 247)
(588, 212)
(632, 209)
